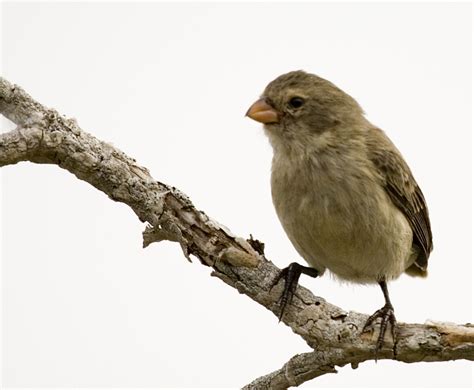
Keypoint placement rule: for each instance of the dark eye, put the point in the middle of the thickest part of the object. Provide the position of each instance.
(296, 102)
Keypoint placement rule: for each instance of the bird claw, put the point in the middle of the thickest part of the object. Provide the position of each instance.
(282, 274)
(291, 275)
(387, 315)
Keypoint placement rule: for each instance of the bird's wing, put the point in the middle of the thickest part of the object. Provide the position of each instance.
(403, 190)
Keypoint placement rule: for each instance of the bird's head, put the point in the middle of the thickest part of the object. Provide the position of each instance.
(298, 106)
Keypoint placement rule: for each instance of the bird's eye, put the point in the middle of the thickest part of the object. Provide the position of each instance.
(296, 102)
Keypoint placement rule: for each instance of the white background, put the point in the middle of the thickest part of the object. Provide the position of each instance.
(85, 305)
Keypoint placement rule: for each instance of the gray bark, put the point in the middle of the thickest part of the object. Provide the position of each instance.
(43, 136)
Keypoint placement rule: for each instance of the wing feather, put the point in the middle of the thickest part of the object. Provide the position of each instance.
(403, 190)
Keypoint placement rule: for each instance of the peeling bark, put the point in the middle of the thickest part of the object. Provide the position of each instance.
(45, 137)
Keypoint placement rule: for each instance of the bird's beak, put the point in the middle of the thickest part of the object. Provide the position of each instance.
(262, 112)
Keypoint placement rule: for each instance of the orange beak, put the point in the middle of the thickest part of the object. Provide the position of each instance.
(262, 112)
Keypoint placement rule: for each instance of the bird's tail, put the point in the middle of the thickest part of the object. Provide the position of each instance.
(415, 270)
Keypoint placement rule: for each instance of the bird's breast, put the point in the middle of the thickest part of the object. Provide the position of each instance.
(340, 218)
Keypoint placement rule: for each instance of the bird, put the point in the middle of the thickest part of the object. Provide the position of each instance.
(345, 196)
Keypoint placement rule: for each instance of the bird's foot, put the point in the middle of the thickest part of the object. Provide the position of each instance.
(291, 275)
(387, 316)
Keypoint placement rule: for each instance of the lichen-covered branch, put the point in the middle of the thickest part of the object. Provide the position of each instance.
(43, 136)
(435, 339)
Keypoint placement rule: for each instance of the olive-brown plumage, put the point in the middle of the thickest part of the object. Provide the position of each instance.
(342, 191)
(405, 194)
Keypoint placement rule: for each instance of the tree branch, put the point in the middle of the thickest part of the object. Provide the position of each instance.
(43, 136)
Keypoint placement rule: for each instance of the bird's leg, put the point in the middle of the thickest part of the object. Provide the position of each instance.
(386, 314)
(291, 274)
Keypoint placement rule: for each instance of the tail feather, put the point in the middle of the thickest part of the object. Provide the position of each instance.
(416, 270)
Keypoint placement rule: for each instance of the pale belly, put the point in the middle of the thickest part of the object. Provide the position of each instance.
(346, 226)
